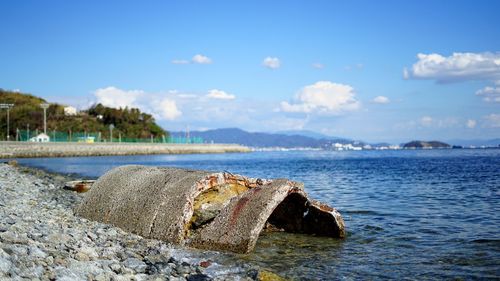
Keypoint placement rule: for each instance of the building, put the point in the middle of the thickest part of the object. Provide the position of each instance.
(40, 138)
(69, 110)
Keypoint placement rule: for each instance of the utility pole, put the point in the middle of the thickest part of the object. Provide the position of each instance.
(7, 106)
(44, 106)
(111, 127)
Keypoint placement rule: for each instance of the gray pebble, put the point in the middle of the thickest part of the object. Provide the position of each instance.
(136, 265)
(41, 239)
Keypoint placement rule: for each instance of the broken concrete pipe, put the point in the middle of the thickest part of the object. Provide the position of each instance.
(216, 211)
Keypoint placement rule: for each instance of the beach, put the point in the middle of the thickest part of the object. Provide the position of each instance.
(42, 239)
(68, 149)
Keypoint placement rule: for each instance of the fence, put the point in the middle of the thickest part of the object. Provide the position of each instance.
(56, 136)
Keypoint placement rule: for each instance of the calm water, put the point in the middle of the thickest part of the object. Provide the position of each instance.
(432, 214)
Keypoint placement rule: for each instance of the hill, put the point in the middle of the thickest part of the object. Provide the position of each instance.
(131, 123)
(425, 144)
(235, 135)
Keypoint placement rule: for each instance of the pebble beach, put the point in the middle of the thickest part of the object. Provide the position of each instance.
(42, 239)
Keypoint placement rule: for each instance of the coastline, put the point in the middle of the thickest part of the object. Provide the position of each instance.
(41, 238)
(50, 149)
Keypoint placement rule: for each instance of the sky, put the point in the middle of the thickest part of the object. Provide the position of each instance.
(376, 71)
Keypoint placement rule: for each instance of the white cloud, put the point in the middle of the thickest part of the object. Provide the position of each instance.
(358, 66)
(323, 97)
(426, 121)
(489, 94)
(471, 123)
(445, 122)
(160, 106)
(381, 100)
(166, 109)
(221, 95)
(187, 96)
(201, 59)
(457, 67)
(272, 63)
(318, 65)
(180, 61)
(117, 98)
(492, 120)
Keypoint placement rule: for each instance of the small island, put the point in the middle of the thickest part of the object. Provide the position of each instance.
(425, 145)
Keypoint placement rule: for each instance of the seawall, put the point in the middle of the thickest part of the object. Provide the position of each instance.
(31, 149)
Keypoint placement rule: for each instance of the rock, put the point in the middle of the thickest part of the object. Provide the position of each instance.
(37, 253)
(86, 253)
(9, 220)
(198, 277)
(183, 269)
(135, 264)
(84, 269)
(269, 276)
(205, 264)
(116, 267)
(5, 263)
(34, 272)
(253, 274)
(15, 238)
(80, 256)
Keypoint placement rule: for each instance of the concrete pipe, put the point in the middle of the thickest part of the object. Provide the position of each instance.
(217, 211)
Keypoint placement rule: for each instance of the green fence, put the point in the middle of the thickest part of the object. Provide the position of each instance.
(56, 136)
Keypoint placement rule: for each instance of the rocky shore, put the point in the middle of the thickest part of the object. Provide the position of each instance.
(63, 149)
(41, 239)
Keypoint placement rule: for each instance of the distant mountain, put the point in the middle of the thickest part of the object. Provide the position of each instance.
(425, 144)
(307, 133)
(476, 142)
(235, 135)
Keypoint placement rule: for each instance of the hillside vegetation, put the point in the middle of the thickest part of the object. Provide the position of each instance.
(131, 123)
(425, 144)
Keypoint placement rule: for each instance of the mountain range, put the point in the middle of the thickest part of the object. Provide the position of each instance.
(298, 138)
(287, 139)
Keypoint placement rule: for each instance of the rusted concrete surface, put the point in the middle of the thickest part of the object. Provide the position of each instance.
(218, 211)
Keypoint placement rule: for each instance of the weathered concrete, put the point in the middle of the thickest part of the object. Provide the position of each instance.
(30, 149)
(230, 211)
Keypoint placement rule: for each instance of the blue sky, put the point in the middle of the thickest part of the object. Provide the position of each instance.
(342, 68)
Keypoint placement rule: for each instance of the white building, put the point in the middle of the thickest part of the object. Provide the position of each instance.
(69, 110)
(40, 138)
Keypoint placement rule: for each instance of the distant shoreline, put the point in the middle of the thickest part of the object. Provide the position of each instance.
(67, 149)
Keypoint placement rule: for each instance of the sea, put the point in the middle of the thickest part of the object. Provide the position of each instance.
(409, 214)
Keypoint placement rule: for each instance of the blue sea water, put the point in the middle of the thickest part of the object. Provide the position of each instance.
(421, 214)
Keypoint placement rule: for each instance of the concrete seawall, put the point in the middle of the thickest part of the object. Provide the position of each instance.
(28, 150)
